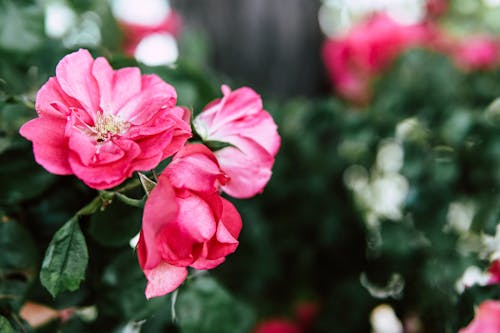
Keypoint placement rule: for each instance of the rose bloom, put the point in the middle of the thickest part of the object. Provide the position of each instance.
(487, 319)
(353, 60)
(102, 124)
(186, 222)
(238, 119)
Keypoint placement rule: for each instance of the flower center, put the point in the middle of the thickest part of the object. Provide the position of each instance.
(106, 126)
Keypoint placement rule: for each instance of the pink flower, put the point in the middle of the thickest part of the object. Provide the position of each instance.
(102, 124)
(477, 53)
(494, 272)
(487, 319)
(277, 326)
(134, 33)
(239, 120)
(186, 222)
(353, 60)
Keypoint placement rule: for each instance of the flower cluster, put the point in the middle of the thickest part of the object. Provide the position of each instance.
(101, 125)
(353, 60)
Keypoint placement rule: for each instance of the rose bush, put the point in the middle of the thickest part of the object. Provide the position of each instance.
(102, 124)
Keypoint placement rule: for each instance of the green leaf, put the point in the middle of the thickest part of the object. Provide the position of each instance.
(217, 145)
(147, 183)
(205, 307)
(5, 326)
(21, 28)
(65, 260)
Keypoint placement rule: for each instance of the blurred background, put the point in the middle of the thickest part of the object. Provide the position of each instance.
(383, 211)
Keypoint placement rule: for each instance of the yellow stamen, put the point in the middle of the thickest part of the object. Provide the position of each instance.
(106, 126)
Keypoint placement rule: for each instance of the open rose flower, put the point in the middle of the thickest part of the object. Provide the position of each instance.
(487, 319)
(186, 222)
(102, 124)
(239, 120)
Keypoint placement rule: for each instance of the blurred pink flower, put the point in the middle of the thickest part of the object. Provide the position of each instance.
(477, 53)
(186, 222)
(487, 319)
(133, 33)
(355, 59)
(277, 326)
(102, 124)
(239, 120)
(494, 272)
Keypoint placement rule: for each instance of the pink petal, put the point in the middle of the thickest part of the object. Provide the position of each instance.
(160, 209)
(203, 263)
(164, 279)
(234, 105)
(181, 241)
(196, 218)
(226, 240)
(74, 74)
(115, 87)
(247, 165)
(261, 128)
(101, 175)
(156, 96)
(50, 146)
(52, 100)
(194, 167)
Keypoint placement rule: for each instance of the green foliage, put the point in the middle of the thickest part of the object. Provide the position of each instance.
(5, 326)
(195, 304)
(21, 28)
(65, 261)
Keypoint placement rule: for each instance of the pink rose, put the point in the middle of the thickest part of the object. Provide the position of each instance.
(477, 53)
(102, 124)
(487, 319)
(353, 60)
(239, 120)
(134, 33)
(277, 326)
(494, 272)
(186, 222)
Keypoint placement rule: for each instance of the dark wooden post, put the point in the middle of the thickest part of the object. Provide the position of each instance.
(271, 45)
